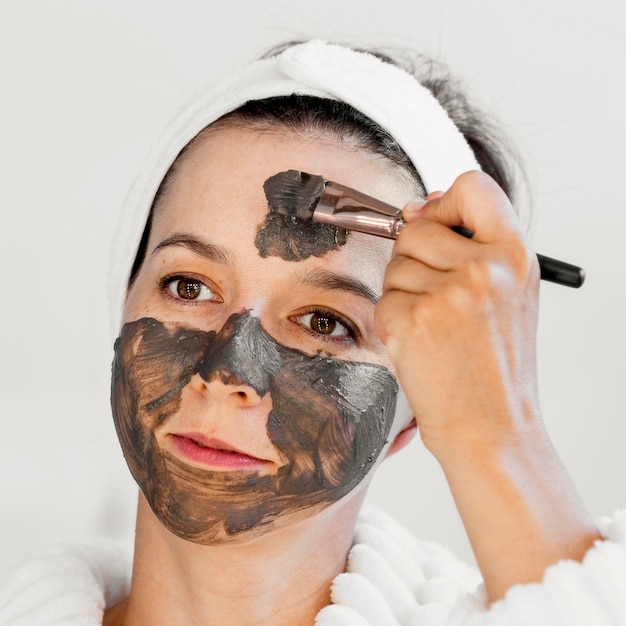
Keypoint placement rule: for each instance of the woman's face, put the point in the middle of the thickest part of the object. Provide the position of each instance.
(248, 388)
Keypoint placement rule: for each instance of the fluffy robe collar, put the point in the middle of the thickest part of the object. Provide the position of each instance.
(392, 578)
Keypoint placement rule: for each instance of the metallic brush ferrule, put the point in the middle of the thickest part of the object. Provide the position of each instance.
(348, 208)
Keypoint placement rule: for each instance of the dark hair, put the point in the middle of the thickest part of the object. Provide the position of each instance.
(312, 115)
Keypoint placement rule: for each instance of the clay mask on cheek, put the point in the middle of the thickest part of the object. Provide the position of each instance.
(329, 421)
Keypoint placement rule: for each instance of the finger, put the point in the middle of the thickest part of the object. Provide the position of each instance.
(433, 244)
(411, 276)
(474, 201)
(433, 194)
(404, 323)
(394, 311)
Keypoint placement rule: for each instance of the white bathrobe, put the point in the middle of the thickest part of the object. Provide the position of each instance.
(392, 579)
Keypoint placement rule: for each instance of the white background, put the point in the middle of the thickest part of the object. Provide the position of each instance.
(85, 88)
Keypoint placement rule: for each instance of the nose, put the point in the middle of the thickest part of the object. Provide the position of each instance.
(242, 356)
(222, 387)
(239, 364)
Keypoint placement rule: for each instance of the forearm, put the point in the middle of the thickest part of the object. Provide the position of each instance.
(518, 506)
(459, 318)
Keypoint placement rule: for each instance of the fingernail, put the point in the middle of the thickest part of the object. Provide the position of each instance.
(412, 209)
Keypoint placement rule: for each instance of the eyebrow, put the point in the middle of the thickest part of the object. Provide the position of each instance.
(325, 279)
(199, 246)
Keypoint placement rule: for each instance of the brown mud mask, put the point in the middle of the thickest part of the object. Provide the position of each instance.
(329, 422)
(292, 238)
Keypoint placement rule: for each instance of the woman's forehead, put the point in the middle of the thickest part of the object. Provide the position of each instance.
(231, 159)
(216, 190)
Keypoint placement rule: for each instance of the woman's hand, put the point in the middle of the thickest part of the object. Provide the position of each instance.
(459, 318)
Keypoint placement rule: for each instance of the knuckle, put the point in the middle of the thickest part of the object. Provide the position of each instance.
(523, 263)
(460, 296)
(483, 273)
(519, 257)
(472, 181)
(394, 263)
(408, 239)
(502, 270)
(467, 179)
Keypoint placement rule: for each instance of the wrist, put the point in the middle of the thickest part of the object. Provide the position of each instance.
(486, 432)
(518, 506)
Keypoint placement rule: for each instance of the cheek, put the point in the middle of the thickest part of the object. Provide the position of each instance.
(144, 296)
(150, 369)
(331, 419)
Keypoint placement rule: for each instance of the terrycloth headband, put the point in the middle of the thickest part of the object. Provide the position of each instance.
(386, 94)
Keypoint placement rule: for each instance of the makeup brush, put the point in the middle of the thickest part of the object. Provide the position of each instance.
(309, 197)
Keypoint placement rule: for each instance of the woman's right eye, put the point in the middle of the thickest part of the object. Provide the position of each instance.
(189, 289)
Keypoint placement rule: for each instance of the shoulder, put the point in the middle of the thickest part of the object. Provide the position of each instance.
(66, 584)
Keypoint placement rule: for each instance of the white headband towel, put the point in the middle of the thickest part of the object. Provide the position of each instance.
(385, 93)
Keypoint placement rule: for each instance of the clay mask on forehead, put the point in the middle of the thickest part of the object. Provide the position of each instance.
(288, 236)
(328, 423)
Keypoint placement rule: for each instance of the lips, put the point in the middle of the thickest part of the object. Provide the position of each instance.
(213, 452)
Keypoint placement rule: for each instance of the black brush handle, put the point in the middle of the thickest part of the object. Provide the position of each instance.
(560, 272)
(552, 270)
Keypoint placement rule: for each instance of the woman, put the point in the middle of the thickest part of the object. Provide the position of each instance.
(266, 366)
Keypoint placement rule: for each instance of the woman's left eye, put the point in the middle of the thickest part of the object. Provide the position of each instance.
(325, 324)
(189, 289)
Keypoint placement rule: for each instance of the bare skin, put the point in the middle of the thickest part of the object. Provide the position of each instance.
(456, 324)
(469, 309)
(217, 196)
(254, 583)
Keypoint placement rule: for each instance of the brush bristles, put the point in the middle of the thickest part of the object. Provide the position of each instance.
(294, 193)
